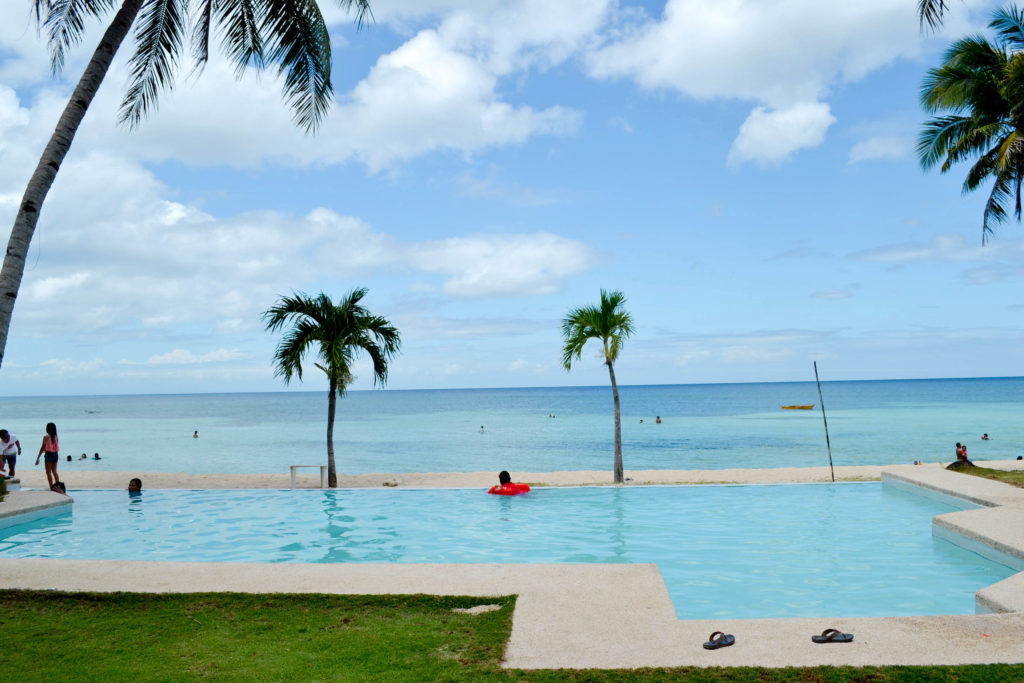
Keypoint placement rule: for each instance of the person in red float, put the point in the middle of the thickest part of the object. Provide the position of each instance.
(507, 487)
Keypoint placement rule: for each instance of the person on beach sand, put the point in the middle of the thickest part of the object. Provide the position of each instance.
(10, 449)
(961, 458)
(51, 448)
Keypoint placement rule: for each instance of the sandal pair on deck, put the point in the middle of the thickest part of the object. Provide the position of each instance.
(829, 635)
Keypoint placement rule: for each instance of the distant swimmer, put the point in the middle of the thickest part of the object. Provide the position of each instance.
(195, 434)
(984, 437)
(641, 420)
(83, 457)
(135, 486)
(481, 429)
(96, 456)
(658, 420)
(506, 487)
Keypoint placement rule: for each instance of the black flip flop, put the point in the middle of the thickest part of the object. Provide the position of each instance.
(831, 635)
(719, 639)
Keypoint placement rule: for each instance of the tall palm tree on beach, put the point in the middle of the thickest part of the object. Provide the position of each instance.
(338, 332)
(612, 324)
(978, 96)
(288, 34)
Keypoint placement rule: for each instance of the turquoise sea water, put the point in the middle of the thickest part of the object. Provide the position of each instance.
(711, 426)
(814, 550)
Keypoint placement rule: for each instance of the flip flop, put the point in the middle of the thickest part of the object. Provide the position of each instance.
(719, 639)
(831, 635)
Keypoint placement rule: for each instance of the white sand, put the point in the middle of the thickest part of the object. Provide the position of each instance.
(36, 478)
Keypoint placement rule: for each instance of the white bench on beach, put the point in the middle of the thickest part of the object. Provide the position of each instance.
(323, 474)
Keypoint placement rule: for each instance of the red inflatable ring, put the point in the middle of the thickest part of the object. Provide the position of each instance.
(510, 489)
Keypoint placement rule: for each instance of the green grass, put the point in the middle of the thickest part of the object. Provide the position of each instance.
(1014, 478)
(52, 636)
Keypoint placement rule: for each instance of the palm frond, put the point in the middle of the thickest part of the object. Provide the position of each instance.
(607, 322)
(983, 169)
(339, 331)
(969, 78)
(1012, 87)
(159, 34)
(977, 140)
(1008, 23)
(201, 34)
(931, 12)
(241, 22)
(64, 22)
(298, 42)
(994, 208)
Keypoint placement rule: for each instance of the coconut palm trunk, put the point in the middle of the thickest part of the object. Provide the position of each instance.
(617, 467)
(46, 171)
(332, 402)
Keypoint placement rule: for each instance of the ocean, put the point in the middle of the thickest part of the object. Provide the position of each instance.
(705, 426)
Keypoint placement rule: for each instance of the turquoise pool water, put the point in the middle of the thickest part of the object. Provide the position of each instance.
(804, 550)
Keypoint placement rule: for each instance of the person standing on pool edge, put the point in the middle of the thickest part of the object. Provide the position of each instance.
(51, 447)
(10, 449)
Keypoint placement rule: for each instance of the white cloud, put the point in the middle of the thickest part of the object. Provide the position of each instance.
(427, 95)
(779, 54)
(945, 248)
(113, 258)
(498, 265)
(880, 147)
(452, 102)
(185, 357)
(769, 137)
(66, 366)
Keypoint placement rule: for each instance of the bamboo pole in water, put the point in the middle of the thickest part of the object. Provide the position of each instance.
(822, 401)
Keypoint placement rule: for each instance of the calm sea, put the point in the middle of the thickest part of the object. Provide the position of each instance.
(707, 426)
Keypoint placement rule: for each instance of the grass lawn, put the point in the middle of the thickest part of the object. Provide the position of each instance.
(50, 636)
(1015, 477)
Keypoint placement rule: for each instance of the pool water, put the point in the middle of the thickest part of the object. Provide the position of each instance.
(801, 550)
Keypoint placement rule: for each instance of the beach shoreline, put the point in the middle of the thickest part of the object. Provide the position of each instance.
(33, 478)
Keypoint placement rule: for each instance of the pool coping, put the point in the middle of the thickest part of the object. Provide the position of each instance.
(621, 616)
(21, 506)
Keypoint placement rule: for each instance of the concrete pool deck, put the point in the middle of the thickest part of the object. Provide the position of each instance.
(621, 616)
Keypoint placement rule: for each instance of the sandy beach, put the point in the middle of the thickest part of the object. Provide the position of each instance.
(36, 478)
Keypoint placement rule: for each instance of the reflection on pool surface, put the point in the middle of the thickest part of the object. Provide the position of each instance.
(724, 551)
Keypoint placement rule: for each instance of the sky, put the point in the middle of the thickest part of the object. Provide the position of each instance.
(742, 170)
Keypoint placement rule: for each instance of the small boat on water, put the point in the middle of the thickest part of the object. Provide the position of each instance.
(810, 407)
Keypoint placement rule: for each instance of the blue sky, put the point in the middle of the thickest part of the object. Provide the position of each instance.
(743, 171)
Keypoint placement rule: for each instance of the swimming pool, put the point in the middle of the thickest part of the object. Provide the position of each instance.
(800, 550)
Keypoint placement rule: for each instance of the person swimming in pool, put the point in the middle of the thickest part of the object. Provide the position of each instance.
(506, 487)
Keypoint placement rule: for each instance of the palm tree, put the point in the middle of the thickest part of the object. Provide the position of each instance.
(981, 86)
(612, 325)
(288, 34)
(339, 331)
